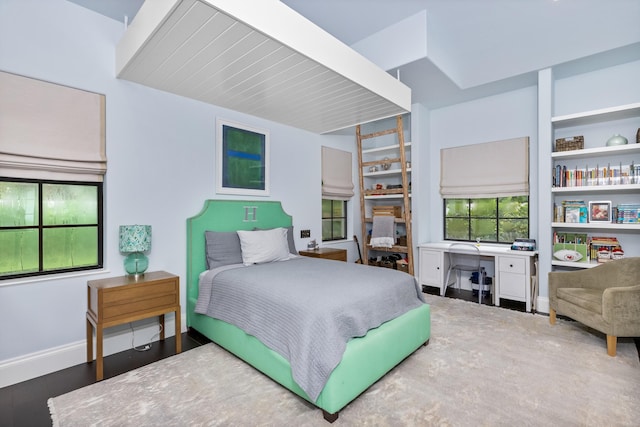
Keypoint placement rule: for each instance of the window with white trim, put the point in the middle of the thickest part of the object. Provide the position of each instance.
(334, 220)
(485, 191)
(53, 161)
(49, 227)
(337, 189)
(494, 220)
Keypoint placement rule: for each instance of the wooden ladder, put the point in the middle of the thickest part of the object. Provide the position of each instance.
(367, 194)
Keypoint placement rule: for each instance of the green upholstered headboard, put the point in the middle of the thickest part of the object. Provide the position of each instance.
(225, 215)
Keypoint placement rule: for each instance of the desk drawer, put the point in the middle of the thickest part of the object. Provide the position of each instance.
(516, 265)
(513, 286)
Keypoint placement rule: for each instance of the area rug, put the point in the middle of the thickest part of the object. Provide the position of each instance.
(484, 366)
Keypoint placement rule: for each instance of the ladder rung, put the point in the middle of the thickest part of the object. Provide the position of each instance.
(376, 134)
(384, 192)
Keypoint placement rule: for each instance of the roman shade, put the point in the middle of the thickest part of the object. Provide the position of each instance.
(337, 182)
(491, 169)
(49, 131)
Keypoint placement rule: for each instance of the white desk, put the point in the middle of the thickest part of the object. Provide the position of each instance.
(513, 269)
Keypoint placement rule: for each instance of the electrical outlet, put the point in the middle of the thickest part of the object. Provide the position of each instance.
(305, 233)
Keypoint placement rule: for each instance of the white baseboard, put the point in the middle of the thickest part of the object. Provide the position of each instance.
(33, 365)
(543, 305)
(40, 363)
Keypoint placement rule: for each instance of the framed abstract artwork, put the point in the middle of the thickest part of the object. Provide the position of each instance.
(242, 154)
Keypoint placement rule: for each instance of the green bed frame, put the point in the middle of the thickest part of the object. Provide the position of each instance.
(365, 360)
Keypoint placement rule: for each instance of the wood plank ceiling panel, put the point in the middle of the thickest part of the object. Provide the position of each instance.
(200, 52)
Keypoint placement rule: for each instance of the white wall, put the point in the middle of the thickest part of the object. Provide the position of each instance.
(505, 116)
(161, 157)
(604, 88)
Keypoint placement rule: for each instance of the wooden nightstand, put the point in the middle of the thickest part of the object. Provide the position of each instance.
(123, 299)
(327, 253)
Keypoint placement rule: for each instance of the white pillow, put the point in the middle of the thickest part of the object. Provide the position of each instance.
(261, 246)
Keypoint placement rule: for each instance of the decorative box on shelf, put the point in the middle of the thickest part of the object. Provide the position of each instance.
(569, 144)
(571, 247)
(388, 210)
(402, 265)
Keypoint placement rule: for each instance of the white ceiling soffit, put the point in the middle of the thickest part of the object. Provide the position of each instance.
(258, 57)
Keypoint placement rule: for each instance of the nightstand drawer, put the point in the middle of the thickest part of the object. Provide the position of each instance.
(128, 294)
(147, 305)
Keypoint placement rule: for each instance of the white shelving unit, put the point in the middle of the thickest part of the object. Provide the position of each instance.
(598, 226)
(594, 125)
(589, 153)
(597, 116)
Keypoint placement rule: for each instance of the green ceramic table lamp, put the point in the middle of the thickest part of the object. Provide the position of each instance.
(135, 239)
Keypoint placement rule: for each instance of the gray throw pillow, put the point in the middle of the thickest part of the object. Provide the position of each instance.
(223, 248)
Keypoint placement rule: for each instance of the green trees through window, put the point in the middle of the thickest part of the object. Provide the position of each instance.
(334, 220)
(498, 220)
(49, 227)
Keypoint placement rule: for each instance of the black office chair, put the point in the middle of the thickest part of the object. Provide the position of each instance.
(463, 257)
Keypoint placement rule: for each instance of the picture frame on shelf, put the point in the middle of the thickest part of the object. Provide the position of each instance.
(242, 157)
(600, 211)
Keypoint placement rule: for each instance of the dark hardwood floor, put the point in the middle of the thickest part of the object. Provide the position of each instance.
(473, 297)
(25, 404)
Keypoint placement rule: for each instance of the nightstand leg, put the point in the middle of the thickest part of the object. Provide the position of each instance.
(178, 331)
(89, 341)
(162, 328)
(99, 362)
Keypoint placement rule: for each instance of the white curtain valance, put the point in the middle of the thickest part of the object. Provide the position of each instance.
(337, 181)
(49, 131)
(491, 169)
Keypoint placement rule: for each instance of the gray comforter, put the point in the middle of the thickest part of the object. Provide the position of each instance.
(307, 309)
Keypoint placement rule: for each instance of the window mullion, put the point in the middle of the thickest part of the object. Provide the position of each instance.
(469, 219)
(40, 230)
(497, 220)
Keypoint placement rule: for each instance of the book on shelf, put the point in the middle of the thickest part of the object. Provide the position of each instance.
(628, 213)
(577, 238)
(606, 175)
(604, 249)
(571, 211)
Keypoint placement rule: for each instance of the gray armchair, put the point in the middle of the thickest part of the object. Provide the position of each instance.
(605, 298)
